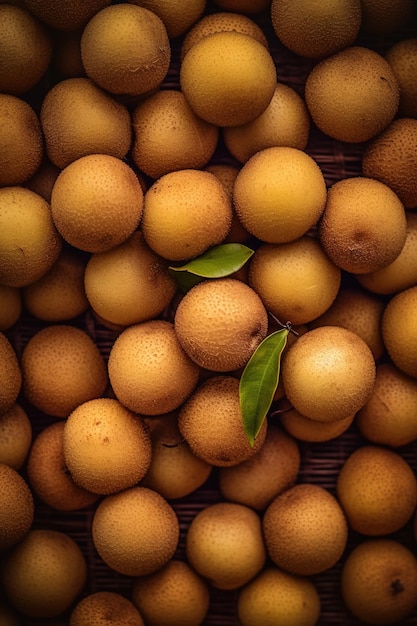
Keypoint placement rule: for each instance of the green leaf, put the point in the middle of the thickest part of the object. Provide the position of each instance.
(259, 382)
(217, 262)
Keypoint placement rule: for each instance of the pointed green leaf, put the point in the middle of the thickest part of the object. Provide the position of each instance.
(217, 262)
(259, 382)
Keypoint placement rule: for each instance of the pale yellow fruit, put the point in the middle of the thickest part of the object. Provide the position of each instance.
(402, 56)
(26, 49)
(44, 573)
(285, 122)
(17, 507)
(386, 17)
(21, 143)
(106, 447)
(178, 17)
(129, 283)
(185, 212)
(29, 240)
(10, 306)
(358, 311)
(104, 608)
(258, 480)
(388, 417)
(169, 136)
(303, 428)
(48, 474)
(135, 531)
(219, 22)
(399, 330)
(175, 471)
(391, 158)
(111, 198)
(328, 373)
(59, 295)
(224, 544)
(269, 199)
(352, 95)
(149, 371)
(378, 581)
(71, 131)
(296, 281)
(69, 15)
(79, 370)
(248, 7)
(173, 595)
(305, 530)
(15, 436)
(278, 597)
(10, 374)
(402, 272)
(125, 49)
(377, 490)
(363, 227)
(220, 440)
(220, 323)
(228, 78)
(44, 178)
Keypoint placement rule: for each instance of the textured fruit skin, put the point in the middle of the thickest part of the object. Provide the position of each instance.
(15, 436)
(105, 607)
(17, 508)
(10, 374)
(305, 530)
(66, 16)
(399, 330)
(402, 56)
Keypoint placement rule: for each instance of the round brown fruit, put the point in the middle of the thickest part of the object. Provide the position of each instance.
(17, 507)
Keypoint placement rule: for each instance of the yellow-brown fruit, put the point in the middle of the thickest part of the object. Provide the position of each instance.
(303, 428)
(125, 50)
(10, 374)
(79, 370)
(388, 417)
(352, 95)
(175, 471)
(392, 158)
(129, 283)
(402, 272)
(185, 212)
(80, 118)
(224, 544)
(177, 16)
(219, 22)
(48, 474)
(378, 581)
(363, 227)
(248, 7)
(173, 595)
(296, 281)
(135, 531)
(402, 56)
(386, 17)
(59, 295)
(278, 597)
(106, 447)
(358, 311)
(68, 15)
(399, 330)
(258, 480)
(228, 78)
(285, 122)
(16, 507)
(111, 198)
(44, 573)
(25, 49)
(15, 436)
(377, 490)
(44, 178)
(29, 240)
(220, 440)
(10, 306)
(328, 373)
(104, 608)
(316, 30)
(220, 323)
(21, 143)
(149, 371)
(169, 136)
(270, 194)
(305, 530)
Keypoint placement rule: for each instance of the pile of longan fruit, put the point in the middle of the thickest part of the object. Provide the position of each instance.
(181, 185)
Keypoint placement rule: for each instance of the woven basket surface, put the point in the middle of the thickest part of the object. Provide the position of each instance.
(320, 462)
